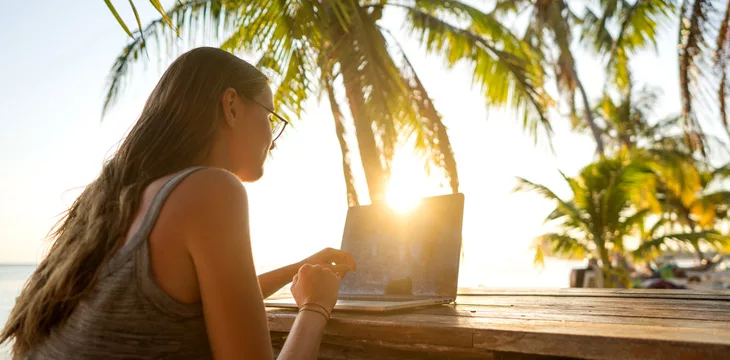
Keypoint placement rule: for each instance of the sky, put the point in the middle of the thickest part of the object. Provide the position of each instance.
(53, 67)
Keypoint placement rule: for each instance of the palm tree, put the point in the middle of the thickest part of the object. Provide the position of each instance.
(550, 30)
(614, 31)
(617, 29)
(691, 207)
(684, 193)
(315, 47)
(627, 123)
(600, 215)
(703, 63)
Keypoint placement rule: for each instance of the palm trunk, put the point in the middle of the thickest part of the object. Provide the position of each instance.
(589, 116)
(370, 155)
(695, 244)
(605, 262)
(352, 199)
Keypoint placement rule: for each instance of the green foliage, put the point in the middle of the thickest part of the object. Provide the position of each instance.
(305, 44)
(652, 181)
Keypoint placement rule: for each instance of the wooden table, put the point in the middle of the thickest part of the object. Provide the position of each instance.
(534, 324)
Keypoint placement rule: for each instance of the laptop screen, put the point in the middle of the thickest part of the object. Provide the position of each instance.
(415, 253)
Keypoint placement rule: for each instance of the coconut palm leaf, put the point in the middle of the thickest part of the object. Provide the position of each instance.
(559, 245)
(722, 61)
(639, 23)
(711, 237)
(549, 29)
(432, 135)
(192, 14)
(506, 78)
(564, 211)
(634, 222)
(694, 27)
(155, 3)
(119, 18)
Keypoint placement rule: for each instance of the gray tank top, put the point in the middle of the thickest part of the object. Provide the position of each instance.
(126, 315)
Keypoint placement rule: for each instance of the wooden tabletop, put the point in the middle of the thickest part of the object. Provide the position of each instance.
(519, 324)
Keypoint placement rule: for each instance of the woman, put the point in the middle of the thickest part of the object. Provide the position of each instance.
(153, 260)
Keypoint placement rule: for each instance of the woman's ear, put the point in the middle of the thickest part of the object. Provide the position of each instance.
(228, 104)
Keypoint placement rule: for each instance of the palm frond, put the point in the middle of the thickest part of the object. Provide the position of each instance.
(562, 246)
(636, 220)
(384, 89)
(722, 61)
(114, 12)
(565, 210)
(433, 134)
(506, 78)
(296, 86)
(191, 14)
(694, 26)
(721, 173)
(376, 90)
(711, 237)
(639, 29)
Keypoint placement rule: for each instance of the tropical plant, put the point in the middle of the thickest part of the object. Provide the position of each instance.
(314, 47)
(684, 193)
(617, 29)
(704, 54)
(600, 215)
(690, 209)
(549, 29)
(627, 123)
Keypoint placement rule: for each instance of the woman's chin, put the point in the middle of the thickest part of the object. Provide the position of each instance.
(250, 175)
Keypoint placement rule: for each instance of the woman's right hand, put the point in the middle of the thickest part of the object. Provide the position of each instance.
(315, 284)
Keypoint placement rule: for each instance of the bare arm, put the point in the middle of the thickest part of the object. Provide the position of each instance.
(339, 261)
(307, 329)
(272, 281)
(218, 242)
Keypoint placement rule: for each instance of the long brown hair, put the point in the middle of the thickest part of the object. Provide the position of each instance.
(174, 130)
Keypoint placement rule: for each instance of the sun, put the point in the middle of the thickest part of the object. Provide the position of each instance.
(407, 182)
(401, 197)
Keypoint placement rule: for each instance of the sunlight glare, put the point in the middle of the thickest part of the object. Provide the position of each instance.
(407, 181)
(401, 197)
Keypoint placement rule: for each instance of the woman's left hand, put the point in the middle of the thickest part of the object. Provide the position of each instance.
(340, 261)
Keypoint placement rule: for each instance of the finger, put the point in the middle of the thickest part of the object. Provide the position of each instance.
(336, 268)
(305, 268)
(344, 257)
(295, 279)
(341, 257)
(333, 274)
(339, 270)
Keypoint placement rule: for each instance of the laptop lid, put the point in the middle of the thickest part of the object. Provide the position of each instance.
(410, 254)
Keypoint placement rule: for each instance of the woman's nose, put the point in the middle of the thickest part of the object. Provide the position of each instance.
(273, 145)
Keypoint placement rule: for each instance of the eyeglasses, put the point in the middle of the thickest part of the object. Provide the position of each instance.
(278, 125)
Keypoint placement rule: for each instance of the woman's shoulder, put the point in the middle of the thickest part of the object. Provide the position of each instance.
(210, 181)
(206, 194)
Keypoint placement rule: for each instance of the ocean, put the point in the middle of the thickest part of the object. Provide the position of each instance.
(12, 278)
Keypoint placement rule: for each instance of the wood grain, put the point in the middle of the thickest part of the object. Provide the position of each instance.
(586, 292)
(535, 324)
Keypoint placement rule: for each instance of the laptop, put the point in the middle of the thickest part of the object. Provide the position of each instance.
(404, 259)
